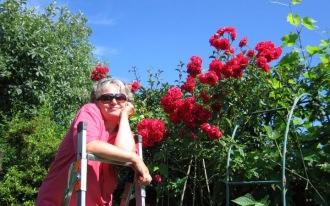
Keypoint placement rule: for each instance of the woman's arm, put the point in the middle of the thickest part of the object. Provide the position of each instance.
(124, 139)
(112, 152)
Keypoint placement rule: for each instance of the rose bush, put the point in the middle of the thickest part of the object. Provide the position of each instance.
(241, 86)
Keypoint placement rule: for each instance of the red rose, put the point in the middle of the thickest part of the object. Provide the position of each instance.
(209, 78)
(250, 53)
(194, 67)
(157, 178)
(205, 96)
(189, 86)
(151, 131)
(216, 66)
(230, 30)
(99, 72)
(135, 86)
(243, 42)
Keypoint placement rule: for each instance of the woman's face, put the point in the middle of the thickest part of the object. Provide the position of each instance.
(111, 109)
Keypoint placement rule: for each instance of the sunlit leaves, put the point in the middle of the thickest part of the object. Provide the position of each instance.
(291, 58)
(296, 20)
(295, 2)
(293, 19)
(325, 59)
(272, 134)
(309, 23)
(290, 39)
(314, 50)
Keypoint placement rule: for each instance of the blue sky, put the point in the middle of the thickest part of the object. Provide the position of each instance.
(158, 34)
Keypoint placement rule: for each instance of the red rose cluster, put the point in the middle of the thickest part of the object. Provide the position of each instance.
(194, 67)
(267, 52)
(134, 86)
(151, 130)
(212, 131)
(264, 53)
(99, 72)
(185, 110)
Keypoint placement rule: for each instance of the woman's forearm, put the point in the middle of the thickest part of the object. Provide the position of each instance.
(111, 152)
(125, 139)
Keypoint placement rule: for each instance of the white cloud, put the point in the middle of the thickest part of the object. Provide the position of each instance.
(102, 51)
(101, 19)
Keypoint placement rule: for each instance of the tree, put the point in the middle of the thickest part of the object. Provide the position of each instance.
(45, 63)
(45, 59)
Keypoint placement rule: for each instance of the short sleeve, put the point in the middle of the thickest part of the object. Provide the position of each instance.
(90, 114)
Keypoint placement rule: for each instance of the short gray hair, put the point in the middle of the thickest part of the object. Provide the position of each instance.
(99, 87)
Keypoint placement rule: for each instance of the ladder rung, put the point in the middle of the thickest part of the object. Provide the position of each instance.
(97, 158)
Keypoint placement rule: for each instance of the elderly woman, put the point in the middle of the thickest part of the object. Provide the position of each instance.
(108, 136)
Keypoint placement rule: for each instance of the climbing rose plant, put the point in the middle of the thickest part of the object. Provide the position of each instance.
(181, 103)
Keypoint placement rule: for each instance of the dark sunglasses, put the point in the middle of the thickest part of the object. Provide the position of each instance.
(109, 97)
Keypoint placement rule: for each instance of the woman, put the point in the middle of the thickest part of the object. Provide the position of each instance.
(108, 136)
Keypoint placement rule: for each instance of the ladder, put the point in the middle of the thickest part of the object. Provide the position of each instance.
(77, 175)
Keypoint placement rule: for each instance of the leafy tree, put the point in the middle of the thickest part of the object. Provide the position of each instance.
(45, 61)
(45, 58)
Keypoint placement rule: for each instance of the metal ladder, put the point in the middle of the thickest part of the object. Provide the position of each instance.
(77, 175)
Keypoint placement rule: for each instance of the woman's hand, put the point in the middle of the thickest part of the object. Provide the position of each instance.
(128, 109)
(143, 180)
(142, 175)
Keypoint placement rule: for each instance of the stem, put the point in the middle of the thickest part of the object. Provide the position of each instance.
(207, 182)
(195, 177)
(185, 183)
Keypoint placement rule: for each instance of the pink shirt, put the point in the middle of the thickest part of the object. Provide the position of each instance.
(101, 178)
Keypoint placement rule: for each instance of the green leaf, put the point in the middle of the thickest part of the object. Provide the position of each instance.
(245, 200)
(293, 19)
(324, 43)
(290, 59)
(309, 23)
(296, 2)
(290, 39)
(272, 134)
(275, 83)
(163, 169)
(325, 59)
(314, 50)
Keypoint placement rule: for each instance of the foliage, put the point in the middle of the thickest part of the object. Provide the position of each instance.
(29, 148)
(258, 103)
(45, 61)
(248, 199)
(45, 58)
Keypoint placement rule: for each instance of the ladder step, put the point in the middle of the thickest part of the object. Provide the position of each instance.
(100, 159)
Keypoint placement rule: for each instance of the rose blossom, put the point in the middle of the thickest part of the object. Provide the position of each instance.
(134, 86)
(211, 131)
(209, 78)
(250, 53)
(157, 178)
(99, 72)
(216, 66)
(189, 86)
(151, 130)
(243, 42)
(194, 67)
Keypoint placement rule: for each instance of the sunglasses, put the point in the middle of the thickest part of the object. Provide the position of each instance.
(109, 97)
